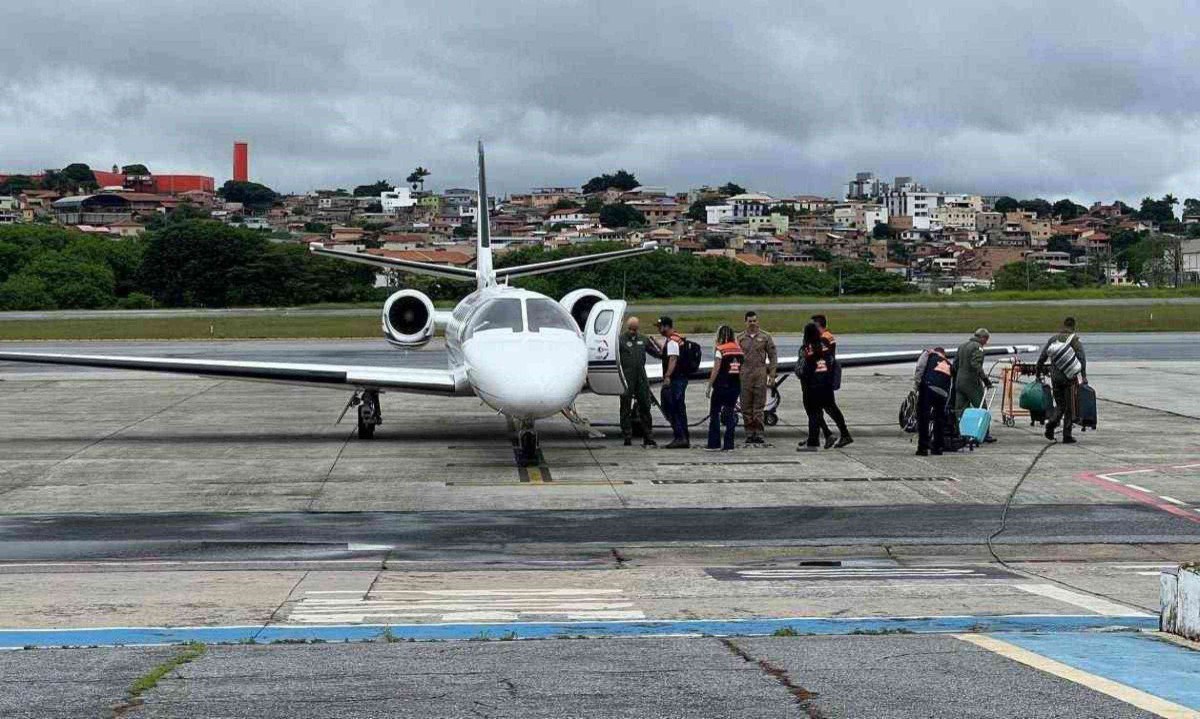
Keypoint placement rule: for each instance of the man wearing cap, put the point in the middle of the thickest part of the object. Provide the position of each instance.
(970, 379)
(674, 389)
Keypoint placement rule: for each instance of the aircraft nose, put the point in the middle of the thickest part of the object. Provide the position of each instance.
(528, 379)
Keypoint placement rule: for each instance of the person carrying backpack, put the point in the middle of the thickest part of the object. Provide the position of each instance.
(679, 358)
(758, 372)
(724, 386)
(1068, 367)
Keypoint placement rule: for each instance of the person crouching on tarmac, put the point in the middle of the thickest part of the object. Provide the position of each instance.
(724, 387)
(932, 382)
(632, 350)
(816, 380)
(758, 372)
(674, 389)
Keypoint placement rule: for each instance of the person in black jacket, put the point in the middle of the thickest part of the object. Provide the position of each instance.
(816, 380)
(933, 383)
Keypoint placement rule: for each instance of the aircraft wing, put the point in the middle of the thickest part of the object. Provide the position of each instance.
(570, 263)
(384, 379)
(852, 359)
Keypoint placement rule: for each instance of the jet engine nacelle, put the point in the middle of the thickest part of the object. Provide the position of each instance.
(580, 303)
(408, 319)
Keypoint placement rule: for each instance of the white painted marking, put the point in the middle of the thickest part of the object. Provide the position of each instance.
(1131, 471)
(1138, 488)
(369, 547)
(1123, 692)
(1107, 478)
(857, 572)
(1172, 500)
(1186, 466)
(462, 605)
(1091, 603)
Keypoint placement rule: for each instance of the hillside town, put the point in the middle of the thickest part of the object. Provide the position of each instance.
(937, 241)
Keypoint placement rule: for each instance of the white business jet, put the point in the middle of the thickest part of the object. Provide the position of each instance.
(522, 353)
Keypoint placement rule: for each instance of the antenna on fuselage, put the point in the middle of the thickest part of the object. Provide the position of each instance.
(483, 245)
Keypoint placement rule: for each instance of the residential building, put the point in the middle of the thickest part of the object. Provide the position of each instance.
(10, 210)
(865, 186)
(1190, 250)
(569, 217)
(716, 214)
(396, 199)
(955, 215)
(909, 198)
(100, 209)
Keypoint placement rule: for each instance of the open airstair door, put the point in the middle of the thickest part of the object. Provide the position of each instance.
(601, 334)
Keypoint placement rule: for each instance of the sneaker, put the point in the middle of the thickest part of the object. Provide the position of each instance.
(727, 449)
(712, 449)
(843, 441)
(989, 439)
(936, 452)
(806, 448)
(1069, 440)
(649, 443)
(628, 441)
(1050, 434)
(922, 453)
(829, 441)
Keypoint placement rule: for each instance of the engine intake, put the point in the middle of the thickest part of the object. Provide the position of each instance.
(408, 319)
(580, 303)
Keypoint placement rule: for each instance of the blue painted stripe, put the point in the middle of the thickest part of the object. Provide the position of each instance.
(17, 638)
(1141, 661)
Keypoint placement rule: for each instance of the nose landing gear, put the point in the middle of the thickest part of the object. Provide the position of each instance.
(528, 451)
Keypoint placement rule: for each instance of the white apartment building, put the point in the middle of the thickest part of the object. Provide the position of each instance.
(716, 214)
(395, 199)
(909, 198)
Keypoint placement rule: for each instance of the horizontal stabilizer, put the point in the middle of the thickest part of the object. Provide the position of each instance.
(571, 263)
(446, 272)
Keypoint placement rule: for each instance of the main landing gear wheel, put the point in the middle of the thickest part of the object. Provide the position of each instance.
(368, 414)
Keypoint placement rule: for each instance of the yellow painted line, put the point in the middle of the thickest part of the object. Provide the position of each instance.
(535, 475)
(1129, 695)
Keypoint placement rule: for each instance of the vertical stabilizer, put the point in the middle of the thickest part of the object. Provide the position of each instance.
(483, 246)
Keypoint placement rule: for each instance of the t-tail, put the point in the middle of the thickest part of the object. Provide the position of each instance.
(483, 221)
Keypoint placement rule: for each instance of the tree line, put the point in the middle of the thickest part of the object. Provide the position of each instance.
(182, 263)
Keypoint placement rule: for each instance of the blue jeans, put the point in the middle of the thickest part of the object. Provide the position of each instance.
(674, 405)
(721, 411)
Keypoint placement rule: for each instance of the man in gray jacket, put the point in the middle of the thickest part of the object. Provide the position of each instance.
(1063, 384)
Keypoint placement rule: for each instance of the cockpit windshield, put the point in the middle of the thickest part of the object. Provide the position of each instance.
(548, 314)
(502, 314)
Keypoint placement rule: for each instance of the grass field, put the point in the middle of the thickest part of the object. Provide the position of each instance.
(1142, 317)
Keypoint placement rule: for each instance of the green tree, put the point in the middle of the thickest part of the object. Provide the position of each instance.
(135, 169)
(252, 195)
(620, 180)
(464, 230)
(25, 292)
(593, 205)
(1006, 204)
(1067, 210)
(73, 282)
(1061, 243)
(417, 177)
(881, 231)
(16, 184)
(621, 215)
(729, 189)
(1191, 206)
(1039, 206)
(1160, 211)
(1028, 275)
(373, 190)
(565, 203)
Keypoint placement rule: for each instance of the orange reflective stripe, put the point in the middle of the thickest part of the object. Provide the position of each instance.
(942, 366)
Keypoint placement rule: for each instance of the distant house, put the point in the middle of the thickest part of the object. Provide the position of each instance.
(349, 235)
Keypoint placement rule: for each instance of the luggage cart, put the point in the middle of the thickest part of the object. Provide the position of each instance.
(1011, 372)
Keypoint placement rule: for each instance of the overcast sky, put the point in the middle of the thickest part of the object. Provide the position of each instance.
(1093, 100)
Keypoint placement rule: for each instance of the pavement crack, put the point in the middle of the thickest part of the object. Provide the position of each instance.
(804, 698)
(271, 619)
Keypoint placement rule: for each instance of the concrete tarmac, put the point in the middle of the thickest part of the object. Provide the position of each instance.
(133, 500)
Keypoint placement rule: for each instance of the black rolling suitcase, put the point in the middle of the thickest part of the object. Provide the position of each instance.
(1085, 407)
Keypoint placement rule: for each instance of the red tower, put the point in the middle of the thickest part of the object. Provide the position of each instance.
(241, 161)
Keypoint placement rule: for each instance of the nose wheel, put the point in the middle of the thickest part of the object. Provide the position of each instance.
(529, 452)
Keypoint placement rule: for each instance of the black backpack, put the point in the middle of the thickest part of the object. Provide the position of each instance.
(689, 356)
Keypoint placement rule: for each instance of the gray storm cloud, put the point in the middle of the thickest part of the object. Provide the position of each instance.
(1094, 100)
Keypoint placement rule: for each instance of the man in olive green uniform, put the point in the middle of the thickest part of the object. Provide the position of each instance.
(970, 379)
(1063, 387)
(632, 351)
